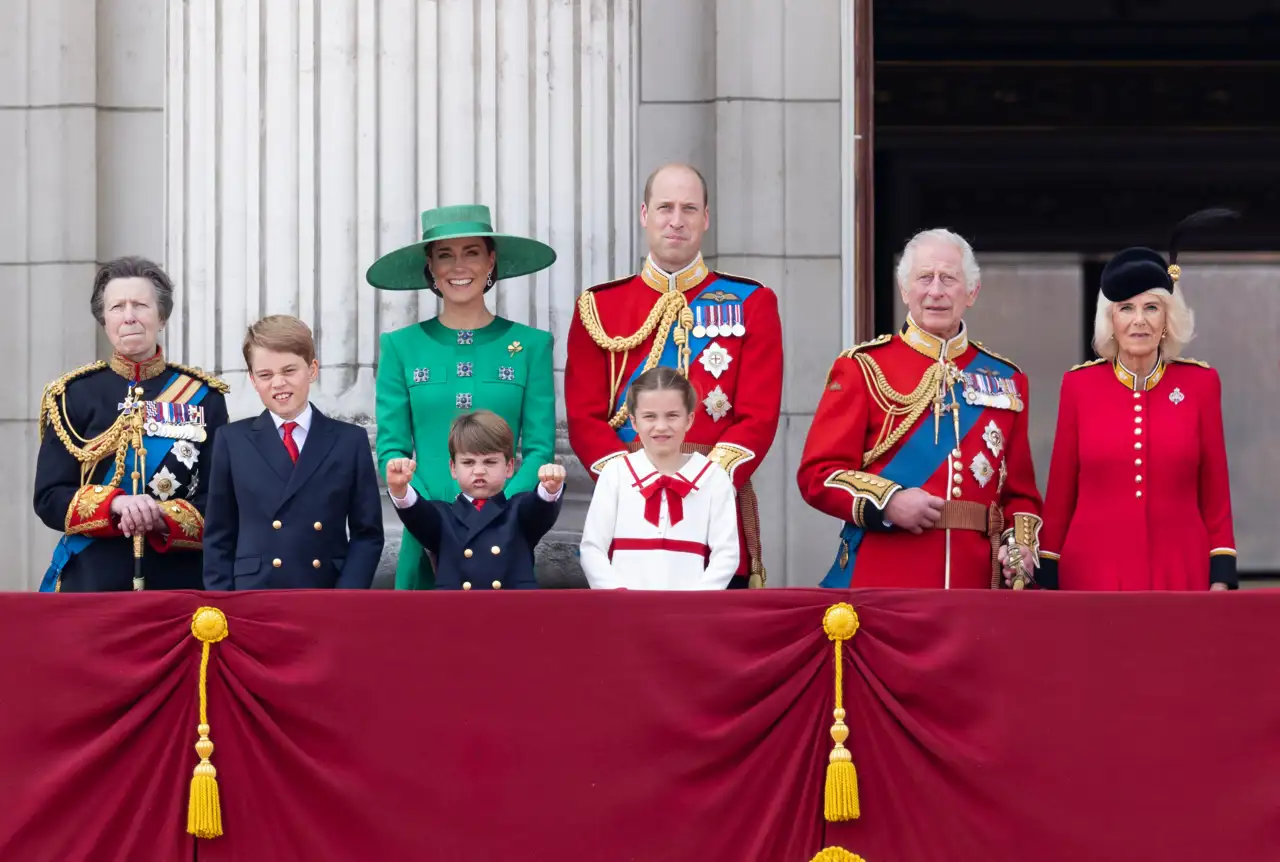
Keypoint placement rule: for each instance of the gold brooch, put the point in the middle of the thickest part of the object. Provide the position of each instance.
(514, 347)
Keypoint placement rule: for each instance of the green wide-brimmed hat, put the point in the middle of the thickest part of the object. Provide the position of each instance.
(405, 268)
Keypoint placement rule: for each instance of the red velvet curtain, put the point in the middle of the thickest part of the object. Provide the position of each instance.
(643, 726)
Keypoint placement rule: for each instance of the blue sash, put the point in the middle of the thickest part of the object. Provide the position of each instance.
(669, 357)
(914, 463)
(157, 449)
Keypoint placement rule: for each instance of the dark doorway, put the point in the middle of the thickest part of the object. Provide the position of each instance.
(1075, 129)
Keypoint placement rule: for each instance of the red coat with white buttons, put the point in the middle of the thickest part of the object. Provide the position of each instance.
(1138, 496)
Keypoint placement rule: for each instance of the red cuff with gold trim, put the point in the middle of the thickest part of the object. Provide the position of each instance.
(90, 512)
(186, 528)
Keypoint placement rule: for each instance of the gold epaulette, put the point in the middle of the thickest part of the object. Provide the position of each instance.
(1189, 361)
(990, 352)
(1089, 364)
(57, 388)
(216, 383)
(866, 345)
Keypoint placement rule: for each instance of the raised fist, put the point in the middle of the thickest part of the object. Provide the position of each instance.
(552, 478)
(399, 472)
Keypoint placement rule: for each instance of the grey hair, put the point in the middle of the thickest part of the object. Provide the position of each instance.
(131, 267)
(1180, 323)
(968, 263)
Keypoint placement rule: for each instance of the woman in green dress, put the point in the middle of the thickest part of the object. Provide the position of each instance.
(464, 359)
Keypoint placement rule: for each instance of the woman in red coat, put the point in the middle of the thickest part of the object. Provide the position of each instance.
(1138, 496)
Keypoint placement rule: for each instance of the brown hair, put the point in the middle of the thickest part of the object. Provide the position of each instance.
(659, 378)
(648, 184)
(282, 333)
(131, 267)
(481, 433)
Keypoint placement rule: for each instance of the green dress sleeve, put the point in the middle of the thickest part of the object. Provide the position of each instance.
(537, 415)
(394, 414)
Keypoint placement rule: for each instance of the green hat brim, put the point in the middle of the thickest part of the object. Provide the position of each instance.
(405, 268)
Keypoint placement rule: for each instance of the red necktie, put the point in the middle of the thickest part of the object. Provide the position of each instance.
(289, 443)
(674, 488)
(479, 504)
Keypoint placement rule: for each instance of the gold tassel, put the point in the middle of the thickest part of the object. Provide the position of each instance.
(840, 801)
(204, 811)
(836, 854)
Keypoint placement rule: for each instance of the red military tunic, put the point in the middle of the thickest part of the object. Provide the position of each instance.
(734, 336)
(873, 435)
(1139, 497)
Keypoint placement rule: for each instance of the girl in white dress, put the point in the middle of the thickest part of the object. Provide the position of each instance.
(661, 518)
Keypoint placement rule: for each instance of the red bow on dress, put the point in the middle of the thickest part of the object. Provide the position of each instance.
(675, 488)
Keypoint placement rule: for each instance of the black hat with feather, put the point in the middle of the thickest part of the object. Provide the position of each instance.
(1137, 270)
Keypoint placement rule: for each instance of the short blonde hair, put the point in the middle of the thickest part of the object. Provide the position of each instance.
(1180, 322)
(282, 333)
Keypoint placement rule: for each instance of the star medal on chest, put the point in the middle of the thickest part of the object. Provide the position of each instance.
(994, 438)
(717, 404)
(988, 389)
(1176, 396)
(715, 359)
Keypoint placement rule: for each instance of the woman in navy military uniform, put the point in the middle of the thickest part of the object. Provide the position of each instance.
(123, 449)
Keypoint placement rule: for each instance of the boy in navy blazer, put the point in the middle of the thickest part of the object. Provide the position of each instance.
(482, 540)
(293, 494)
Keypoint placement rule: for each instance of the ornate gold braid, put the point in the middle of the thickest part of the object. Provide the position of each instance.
(199, 373)
(895, 404)
(53, 410)
(665, 312)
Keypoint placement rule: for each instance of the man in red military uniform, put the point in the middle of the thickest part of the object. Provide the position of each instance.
(919, 443)
(722, 331)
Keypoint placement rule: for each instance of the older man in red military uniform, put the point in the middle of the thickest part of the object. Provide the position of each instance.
(920, 445)
(721, 330)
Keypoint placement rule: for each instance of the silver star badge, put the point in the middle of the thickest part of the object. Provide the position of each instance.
(981, 469)
(715, 359)
(994, 437)
(717, 404)
(164, 484)
(186, 453)
(1176, 396)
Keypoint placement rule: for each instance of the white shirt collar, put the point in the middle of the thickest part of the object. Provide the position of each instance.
(303, 419)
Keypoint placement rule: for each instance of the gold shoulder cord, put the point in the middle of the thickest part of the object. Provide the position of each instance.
(216, 383)
(53, 411)
(904, 407)
(672, 307)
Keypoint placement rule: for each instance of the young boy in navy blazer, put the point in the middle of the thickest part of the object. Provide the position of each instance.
(293, 494)
(482, 540)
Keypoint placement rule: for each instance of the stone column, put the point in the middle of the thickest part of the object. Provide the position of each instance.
(306, 136)
(80, 155)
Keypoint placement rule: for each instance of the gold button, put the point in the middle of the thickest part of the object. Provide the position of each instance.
(955, 453)
(467, 553)
(137, 390)
(495, 550)
(1137, 445)
(275, 525)
(1137, 408)
(276, 562)
(315, 564)
(466, 585)
(319, 526)
(1138, 478)
(1137, 420)
(955, 492)
(1139, 494)
(497, 585)
(1137, 462)
(1137, 395)
(1137, 430)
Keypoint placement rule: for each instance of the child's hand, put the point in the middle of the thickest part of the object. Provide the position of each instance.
(399, 472)
(552, 477)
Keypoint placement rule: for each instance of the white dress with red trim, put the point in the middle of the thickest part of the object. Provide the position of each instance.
(648, 531)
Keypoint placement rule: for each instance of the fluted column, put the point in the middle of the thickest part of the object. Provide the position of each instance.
(304, 138)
